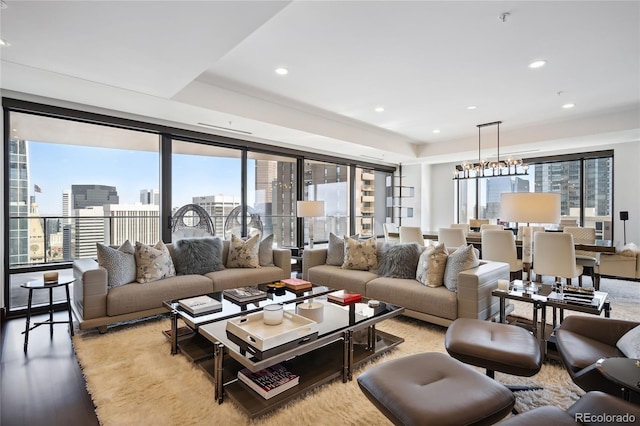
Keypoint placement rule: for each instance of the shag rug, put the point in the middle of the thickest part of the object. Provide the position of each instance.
(133, 380)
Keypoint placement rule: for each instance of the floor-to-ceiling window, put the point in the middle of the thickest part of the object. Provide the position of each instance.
(74, 178)
(72, 185)
(584, 182)
(208, 176)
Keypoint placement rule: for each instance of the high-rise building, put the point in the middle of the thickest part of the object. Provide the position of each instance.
(218, 206)
(67, 206)
(133, 222)
(18, 202)
(83, 196)
(88, 230)
(150, 196)
(275, 199)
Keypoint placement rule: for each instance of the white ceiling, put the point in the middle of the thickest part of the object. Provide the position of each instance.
(213, 62)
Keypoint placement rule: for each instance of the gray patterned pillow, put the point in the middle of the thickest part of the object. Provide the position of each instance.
(335, 251)
(198, 255)
(360, 254)
(431, 266)
(265, 251)
(244, 254)
(461, 259)
(153, 262)
(629, 343)
(120, 263)
(399, 260)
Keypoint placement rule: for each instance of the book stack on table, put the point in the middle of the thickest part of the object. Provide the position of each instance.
(244, 294)
(577, 295)
(344, 297)
(297, 284)
(200, 305)
(270, 381)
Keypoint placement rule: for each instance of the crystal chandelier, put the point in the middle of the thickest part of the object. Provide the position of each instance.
(486, 169)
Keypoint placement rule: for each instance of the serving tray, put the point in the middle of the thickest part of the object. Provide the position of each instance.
(261, 340)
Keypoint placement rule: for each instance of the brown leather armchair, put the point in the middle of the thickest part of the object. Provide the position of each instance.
(582, 341)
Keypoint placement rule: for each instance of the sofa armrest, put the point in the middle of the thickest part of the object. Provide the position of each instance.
(474, 290)
(282, 259)
(90, 288)
(605, 330)
(311, 258)
(617, 265)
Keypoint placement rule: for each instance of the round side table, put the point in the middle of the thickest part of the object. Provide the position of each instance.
(622, 371)
(42, 285)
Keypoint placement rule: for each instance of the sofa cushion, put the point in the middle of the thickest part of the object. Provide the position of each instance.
(464, 257)
(244, 254)
(410, 294)
(198, 255)
(360, 254)
(431, 265)
(265, 251)
(336, 277)
(629, 343)
(153, 262)
(120, 263)
(130, 298)
(240, 277)
(399, 260)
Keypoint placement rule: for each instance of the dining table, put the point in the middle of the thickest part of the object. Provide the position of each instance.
(475, 238)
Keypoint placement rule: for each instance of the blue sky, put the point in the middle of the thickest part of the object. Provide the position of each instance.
(55, 167)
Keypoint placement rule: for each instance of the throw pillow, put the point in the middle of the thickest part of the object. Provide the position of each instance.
(120, 263)
(431, 265)
(629, 250)
(153, 262)
(461, 259)
(198, 255)
(244, 254)
(265, 251)
(629, 343)
(360, 254)
(335, 251)
(399, 260)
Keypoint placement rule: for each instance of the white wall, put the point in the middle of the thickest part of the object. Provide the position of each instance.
(438, 193)
(2, 216)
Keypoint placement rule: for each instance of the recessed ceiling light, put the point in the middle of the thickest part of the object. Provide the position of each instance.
(282, 71)
(569, 105)
(379, 109)
(3, 43)
(472, 107)
(3, 5)
(436, 131)
(537, 64)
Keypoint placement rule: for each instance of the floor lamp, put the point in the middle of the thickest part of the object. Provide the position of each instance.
(529, 207)
(624, 216)
(310, 209)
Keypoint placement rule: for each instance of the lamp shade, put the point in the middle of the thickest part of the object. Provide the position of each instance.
(530, 207)
(310, 208)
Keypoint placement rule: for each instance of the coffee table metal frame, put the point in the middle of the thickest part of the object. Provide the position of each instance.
(233, 309)
(338, 342)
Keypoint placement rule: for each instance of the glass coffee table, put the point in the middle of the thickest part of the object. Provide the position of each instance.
(347, 337)
(186, 340)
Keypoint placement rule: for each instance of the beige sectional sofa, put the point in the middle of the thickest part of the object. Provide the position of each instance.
(624, 264)
(96, 305)
(437, 305)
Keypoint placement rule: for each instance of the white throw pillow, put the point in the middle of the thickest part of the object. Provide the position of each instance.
(244, 254)
(431, 266)
(153, 262)
(360, 254)
(460, 260)
(629, 343)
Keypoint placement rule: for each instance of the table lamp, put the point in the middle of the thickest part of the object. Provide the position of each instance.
(310, 209)
(529, 207)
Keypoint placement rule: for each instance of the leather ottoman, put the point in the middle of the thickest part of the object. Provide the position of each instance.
(433, 388)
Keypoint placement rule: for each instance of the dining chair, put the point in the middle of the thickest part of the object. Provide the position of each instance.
(464, 226)
(477, 223)
(534, 229)
(452, 237)
(411, 234)
(390, 228)
(488, 226)
(588, 259)
(554, 255)
(500, 246)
